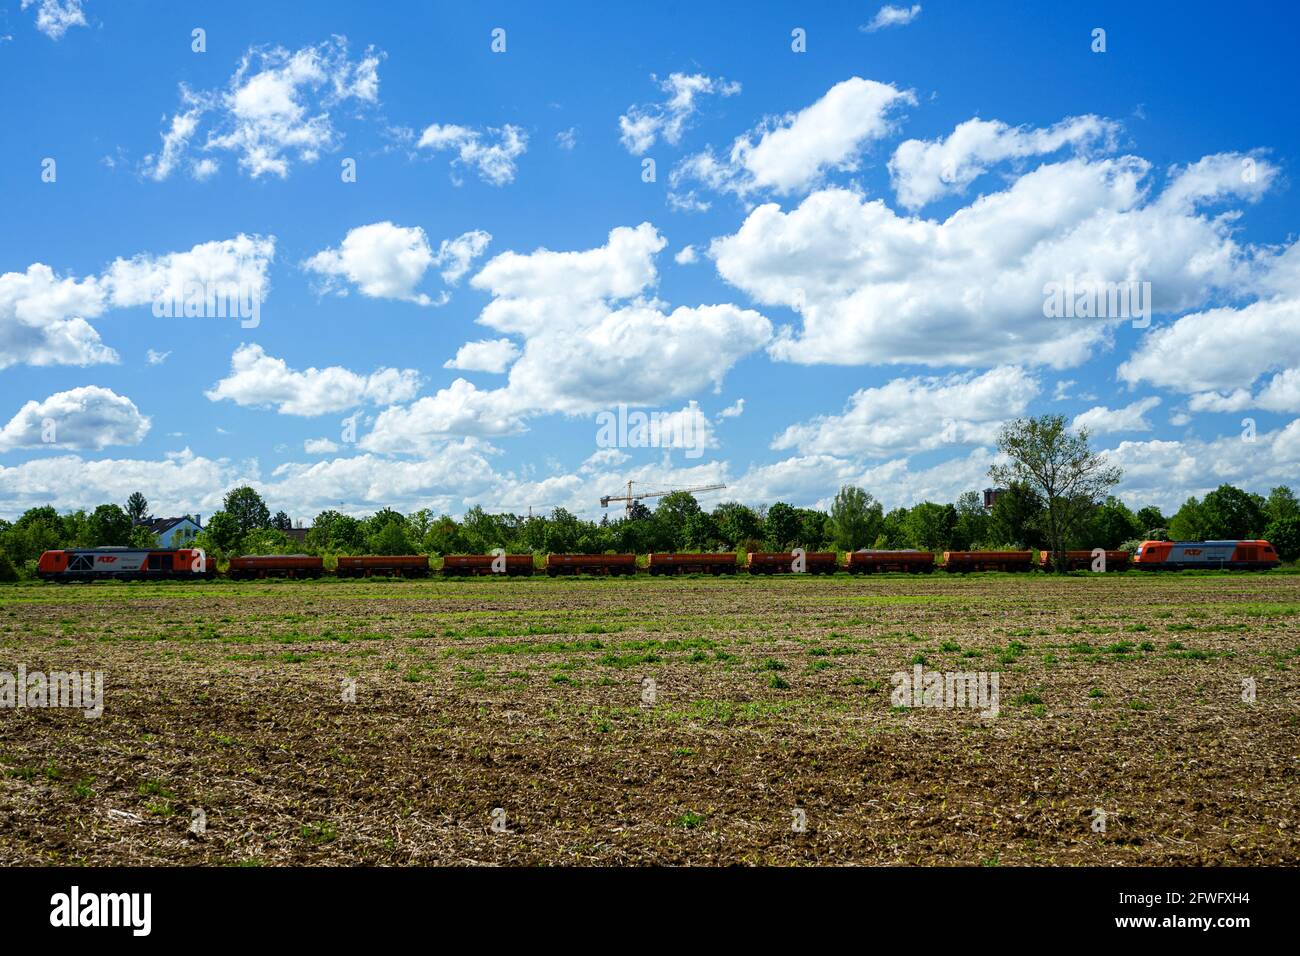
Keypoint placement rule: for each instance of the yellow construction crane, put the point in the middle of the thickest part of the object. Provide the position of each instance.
(630, 497)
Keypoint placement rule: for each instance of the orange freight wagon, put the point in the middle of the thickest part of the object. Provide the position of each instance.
(1082, 561)
(390, 565)
(276, 566)
(611, 564)
(782, 562)
(462, 565)
(966, 561)
(687, 563)
(873, 562)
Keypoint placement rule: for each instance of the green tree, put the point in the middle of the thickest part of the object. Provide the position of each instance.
(142, 537)
(378, 536)
(814, 528)
(736, 523)
(247, 508)
(487, 531)
(418, 524)
(1111, 524)
(221, 535)
(893, 530)
(532, 534)
(672, 513)
(1229, 512)
(267, 541)
(445, 537)
(1188, 523)
(1282, 503)
(391, 538)
(638, 535)
(702, 532)
(780, 527)
(281, 521)
(76, 529)
(1016, 518)
(37, 530)
(930, 526)
(972, 522)
(1284, 535)
(137, 506)
(1060, 466)
(333, 532)
(1151, 518)
(109, 525)
(562, 532)
(856, 519)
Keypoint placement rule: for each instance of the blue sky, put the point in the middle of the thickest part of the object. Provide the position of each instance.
(841, 258)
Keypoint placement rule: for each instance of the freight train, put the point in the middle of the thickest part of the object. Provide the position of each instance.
(135, 564)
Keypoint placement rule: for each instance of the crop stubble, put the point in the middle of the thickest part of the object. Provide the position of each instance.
(1122, 693)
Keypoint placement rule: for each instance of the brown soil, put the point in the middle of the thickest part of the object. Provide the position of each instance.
(1122, 693)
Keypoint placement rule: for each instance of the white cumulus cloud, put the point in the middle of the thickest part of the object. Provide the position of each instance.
(319, 446)
(260, 380)
(891, 16)
(276, 108)
(490, 151)
(592, 337)
(872, 286)
(44, 317)
(792, 153)
(55, 17)
(387, 261)
(909, 415)
(1219, 355)
(923, 171)
(641, 125)
(1100, 420)
(488, 355)
(88, 417)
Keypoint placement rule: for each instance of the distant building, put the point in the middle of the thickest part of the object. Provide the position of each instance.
(991, 496)
(298, 535)
(174, 532)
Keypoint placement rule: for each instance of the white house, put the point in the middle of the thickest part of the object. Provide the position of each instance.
(174, 532)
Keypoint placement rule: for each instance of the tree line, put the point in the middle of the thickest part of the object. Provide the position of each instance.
(855, 520)
(1055, 498)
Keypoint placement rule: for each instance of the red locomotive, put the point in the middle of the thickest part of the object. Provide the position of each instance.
(1257, 555)
(130, 564)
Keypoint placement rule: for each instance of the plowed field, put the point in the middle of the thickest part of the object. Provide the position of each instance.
(664, 721)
